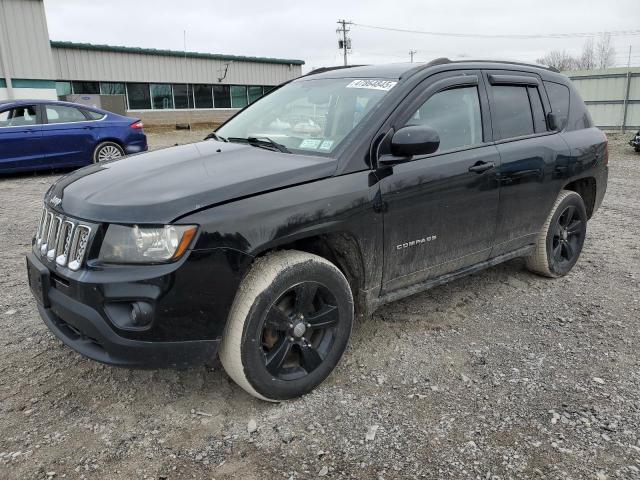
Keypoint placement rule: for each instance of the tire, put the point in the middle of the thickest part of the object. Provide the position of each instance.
(105, 151)
(267, 348)
(560, 241)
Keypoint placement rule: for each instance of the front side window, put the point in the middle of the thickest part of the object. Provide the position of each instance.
(64, 114)
(313, 116)
(512, 111)
(161, 96)
(18, 116)
(455, 115)
(138, 95)
(86, 88)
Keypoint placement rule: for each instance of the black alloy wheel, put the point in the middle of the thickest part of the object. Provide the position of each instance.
(568, 236)
(299, 330)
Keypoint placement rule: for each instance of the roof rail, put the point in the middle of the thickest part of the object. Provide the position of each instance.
(328, 69)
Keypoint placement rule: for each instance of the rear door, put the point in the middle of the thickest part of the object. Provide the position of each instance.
(67, 135)
(440, 209)
(530, 157)
(20, 139)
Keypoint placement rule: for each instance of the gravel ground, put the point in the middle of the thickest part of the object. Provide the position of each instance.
(499, 375)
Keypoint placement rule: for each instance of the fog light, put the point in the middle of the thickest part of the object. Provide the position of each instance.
(141, 314)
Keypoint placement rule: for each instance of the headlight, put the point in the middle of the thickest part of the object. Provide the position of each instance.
(136, 244)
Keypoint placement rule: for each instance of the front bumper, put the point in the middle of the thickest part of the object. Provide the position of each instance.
(187, 321)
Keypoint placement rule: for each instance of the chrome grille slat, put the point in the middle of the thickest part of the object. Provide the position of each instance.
(62, 239)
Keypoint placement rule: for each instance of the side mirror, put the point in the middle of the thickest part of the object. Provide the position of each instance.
(552, 121)
(414, 140)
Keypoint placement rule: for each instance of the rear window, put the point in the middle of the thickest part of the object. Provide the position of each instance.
(559, 99)
(513, 111)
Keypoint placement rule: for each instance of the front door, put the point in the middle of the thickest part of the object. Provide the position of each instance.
(20, 139)
(441, 209)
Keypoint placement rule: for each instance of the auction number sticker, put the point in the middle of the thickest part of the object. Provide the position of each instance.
(373, 84)
(310, 143)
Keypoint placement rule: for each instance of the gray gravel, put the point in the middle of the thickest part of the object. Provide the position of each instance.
(499, 375)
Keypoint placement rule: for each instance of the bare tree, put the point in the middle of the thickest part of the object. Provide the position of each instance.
(605, 52)
(559, 60)
(587, 60)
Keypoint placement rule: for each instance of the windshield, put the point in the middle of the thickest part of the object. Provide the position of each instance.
(312, 115)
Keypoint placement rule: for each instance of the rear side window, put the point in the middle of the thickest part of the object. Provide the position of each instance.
(559, 99)
(64, 114)
(18, 116)
(539, 122)
(94, 115)
(512, 111)
(455, 115)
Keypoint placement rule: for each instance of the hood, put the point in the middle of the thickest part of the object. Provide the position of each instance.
(160, 186)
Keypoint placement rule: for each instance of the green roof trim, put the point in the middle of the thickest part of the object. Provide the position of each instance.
(172, 53)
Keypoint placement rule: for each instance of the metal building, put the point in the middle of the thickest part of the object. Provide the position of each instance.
(612, 96)
(159, 86)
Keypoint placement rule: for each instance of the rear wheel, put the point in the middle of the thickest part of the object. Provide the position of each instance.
(107, 151)
(288, 327)
(560, 241)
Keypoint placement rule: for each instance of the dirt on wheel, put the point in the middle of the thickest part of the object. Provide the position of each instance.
(503, 374)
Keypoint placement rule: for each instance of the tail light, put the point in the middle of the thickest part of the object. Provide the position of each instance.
(137, 125)
(606, 150)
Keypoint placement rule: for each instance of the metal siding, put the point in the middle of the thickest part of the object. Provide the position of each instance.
(633, 115)
(24, 31)
(606, 114)
(601, 89)
(75, 64)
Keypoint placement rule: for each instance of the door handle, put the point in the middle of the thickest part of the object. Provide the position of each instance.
(481, 166)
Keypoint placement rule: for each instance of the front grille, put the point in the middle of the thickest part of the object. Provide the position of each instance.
(62, 239)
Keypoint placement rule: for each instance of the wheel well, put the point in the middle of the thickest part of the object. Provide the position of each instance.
(112, 140)
(342, 250)
(586, 188)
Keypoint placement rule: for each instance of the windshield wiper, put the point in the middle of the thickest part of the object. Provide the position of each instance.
(216, 137)
(262, 142)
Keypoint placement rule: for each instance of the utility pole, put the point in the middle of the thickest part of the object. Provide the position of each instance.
(626, 94)
(411, 54)
(345, 42)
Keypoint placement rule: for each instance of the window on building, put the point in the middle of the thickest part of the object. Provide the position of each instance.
(455, 115)
(63, 89)
(513, 112)
(64, 114)
(86, 88)
(18, 116)
(161, 96)
(111, 88)
(183, 96)
(138, 95)
(238, 96)
(221, 96)
(255, 92)
(203, 96)
(267, 88)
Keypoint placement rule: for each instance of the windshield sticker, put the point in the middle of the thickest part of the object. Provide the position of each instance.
(310, 143)
(385, 85)
(326, 145)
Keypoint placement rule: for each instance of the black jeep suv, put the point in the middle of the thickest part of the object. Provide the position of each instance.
(333, 194)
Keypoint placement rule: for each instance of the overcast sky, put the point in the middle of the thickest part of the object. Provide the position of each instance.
(307, 30)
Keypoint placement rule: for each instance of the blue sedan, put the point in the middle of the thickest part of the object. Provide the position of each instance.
(45, 134)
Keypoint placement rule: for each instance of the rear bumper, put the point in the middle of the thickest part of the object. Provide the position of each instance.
(84, 329)
(136, 145)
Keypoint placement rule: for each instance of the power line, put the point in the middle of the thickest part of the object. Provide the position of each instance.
(615, 33)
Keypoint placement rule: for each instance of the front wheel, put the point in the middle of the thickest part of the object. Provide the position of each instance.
(107, 151)
(289, 325)
(560, 241)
